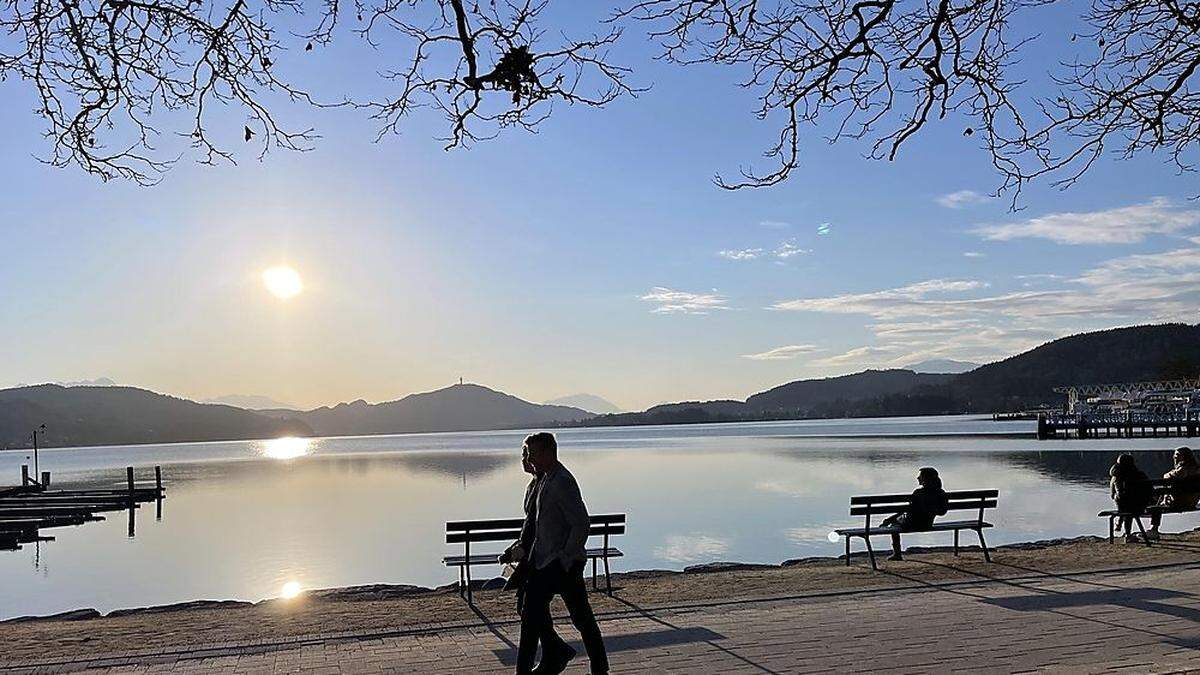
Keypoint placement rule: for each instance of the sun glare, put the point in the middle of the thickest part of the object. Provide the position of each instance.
(283, 282)
(288, 447)
(290, 590)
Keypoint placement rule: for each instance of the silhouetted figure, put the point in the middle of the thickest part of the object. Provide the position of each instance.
(552, 555)
(1130, 491)
(928, 502)
(1182, 497)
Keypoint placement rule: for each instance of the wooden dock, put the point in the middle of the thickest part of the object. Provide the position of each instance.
(32, 506)
(1118, 425)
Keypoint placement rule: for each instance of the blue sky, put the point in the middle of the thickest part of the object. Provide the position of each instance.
(596, 255)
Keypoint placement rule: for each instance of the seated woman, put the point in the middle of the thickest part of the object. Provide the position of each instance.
(1129, 490)
(1183, 497)
(928, 502)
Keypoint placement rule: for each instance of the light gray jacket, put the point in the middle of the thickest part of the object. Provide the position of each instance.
(558, 530)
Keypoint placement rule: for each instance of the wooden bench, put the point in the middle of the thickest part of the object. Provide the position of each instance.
(1159, 487)
(468, 532)
(886, 505)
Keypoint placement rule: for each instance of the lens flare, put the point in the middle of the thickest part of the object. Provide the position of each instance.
(834, 537)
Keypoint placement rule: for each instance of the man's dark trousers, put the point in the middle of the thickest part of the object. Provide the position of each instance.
(536, 623)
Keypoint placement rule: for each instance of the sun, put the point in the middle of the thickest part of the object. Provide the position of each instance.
(283, 282)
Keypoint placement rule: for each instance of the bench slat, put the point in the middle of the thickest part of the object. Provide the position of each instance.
(514, 534)
(955, 494)
(490, 559)
(961, 505)
(937, 527)
(509, 523)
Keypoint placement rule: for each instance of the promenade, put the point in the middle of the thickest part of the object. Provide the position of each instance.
(1145, 620)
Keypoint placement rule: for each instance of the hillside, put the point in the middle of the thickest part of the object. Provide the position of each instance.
(461, 407)
(1136, 353)
(111, 415)
(1133, 354)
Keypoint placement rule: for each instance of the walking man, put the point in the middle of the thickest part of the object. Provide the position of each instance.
(552, 544)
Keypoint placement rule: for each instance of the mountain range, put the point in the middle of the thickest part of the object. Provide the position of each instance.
(107, 415)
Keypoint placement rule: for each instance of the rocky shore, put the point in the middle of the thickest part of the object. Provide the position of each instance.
(383, 609)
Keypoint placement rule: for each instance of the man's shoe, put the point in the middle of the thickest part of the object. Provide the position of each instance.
(553, 664)
(895, 556)
(1153, 535)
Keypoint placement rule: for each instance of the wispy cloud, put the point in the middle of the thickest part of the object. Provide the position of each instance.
(670, 301)
(961, 199)
(973, 254)
(1124, 225)
(775, 224)
(741, 254)
(783, 251)
(784, 353)
(947, 318)
(788, 249)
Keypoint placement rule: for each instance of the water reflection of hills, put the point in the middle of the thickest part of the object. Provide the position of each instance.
(1081, 467)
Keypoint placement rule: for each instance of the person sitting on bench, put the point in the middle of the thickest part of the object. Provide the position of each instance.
(1183, 498)
(928, 502)
(1130, 491)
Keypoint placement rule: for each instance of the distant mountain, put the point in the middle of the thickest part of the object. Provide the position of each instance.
(98, 382)
(461, 407)
(804, 396)
(942, 366)
(250, 402)
(1137, 353)
(113, 415)
(588, 402)
(1133, 354)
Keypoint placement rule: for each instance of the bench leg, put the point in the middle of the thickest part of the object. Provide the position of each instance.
(594, 575)
(956, 543)
(470, 598)
(870, 553)
(1142, 529)
(607, 576)
(847, 550)
(1111, 520)
(983, 544)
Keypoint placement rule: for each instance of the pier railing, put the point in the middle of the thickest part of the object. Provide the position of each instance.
(1131, 424)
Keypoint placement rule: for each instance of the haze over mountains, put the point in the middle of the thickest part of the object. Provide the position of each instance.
(107, 414)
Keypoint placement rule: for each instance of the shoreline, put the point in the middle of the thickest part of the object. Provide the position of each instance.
(390, 591)
(362, 612)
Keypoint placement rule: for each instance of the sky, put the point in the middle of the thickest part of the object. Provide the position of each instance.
(594, 256)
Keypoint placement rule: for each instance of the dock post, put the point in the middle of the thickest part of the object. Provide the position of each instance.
(158, 493)
(45, 479)
(24, 475)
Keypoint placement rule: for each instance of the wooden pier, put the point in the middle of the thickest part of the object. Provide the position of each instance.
(29, 508)
(1118, 425)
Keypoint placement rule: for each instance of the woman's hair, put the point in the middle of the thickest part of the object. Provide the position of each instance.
(932, 479)
(1185, 454)
(1124, 465)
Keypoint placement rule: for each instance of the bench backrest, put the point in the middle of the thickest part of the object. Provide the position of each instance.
(468, 532)
(959, 500)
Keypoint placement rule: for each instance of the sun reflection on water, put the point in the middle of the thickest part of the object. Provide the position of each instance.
(290, 590)
(288, 447)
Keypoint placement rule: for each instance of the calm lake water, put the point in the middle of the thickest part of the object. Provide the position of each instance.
(242, 519)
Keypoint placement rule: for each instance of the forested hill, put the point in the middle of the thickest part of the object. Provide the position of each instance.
(125, 415)
(1134, 354)
(1137, 353)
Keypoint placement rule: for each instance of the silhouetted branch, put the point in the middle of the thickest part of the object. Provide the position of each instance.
(485, 68)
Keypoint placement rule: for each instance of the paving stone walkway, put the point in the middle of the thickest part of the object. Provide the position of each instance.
(1142, 621)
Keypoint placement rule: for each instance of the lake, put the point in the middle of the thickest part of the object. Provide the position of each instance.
(242, 519)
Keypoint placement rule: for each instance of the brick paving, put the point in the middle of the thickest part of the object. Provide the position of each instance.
(1137, 621)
